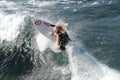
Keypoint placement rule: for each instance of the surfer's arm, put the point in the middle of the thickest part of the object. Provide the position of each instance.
(73, 42)
(57, 41)
(52, 25)
(67, 36)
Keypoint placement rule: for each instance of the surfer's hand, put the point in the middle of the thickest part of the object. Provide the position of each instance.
(55, 34)
(73, 42)
(51, 33)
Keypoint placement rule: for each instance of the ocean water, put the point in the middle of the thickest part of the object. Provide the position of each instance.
(25, 54)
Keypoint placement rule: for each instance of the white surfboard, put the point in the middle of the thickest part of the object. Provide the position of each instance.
(43, 27)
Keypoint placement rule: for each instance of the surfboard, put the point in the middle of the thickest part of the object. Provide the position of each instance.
(43, 27)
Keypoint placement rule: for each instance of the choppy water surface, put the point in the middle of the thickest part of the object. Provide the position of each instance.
(25, 54)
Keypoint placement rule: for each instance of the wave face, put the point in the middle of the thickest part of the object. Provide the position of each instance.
(25, 54)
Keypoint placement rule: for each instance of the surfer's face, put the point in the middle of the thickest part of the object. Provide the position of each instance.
(60, 29)
(55, 30)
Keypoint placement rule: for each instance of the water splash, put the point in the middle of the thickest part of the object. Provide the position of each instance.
(9, 26)
(84, 66)
(42, 42)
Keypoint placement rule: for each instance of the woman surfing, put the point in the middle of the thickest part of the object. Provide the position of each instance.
(58, 31)
(61, 35)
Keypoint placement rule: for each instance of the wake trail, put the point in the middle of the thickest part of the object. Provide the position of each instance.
(84, 66)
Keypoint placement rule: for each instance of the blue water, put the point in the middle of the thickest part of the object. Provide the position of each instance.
(25, 54)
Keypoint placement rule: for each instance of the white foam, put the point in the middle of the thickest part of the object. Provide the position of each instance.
(83, 66)
(95, 3)
(9, 26)
(42, 42)
(7, 4)
(41, 3)
(109, 74)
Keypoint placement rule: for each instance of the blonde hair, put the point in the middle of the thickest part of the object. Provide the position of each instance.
(61, 27)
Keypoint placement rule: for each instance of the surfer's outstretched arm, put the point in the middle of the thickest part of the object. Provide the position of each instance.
(58, 41)
(52, 25)
(73, 42)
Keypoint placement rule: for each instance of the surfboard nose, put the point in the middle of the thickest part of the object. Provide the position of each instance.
(38, 22)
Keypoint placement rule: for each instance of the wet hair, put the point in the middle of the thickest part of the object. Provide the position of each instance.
(59, 29)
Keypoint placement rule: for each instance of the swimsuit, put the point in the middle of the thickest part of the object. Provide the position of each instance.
(64, 39)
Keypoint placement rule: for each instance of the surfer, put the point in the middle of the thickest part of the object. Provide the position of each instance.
(61, 35)
(58, 31)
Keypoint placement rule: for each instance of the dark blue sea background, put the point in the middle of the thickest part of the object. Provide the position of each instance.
(94, 25)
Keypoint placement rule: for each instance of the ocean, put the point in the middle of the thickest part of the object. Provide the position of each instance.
(26, 54)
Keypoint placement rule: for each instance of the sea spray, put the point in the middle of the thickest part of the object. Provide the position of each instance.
(82, 66)
(9, 26)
